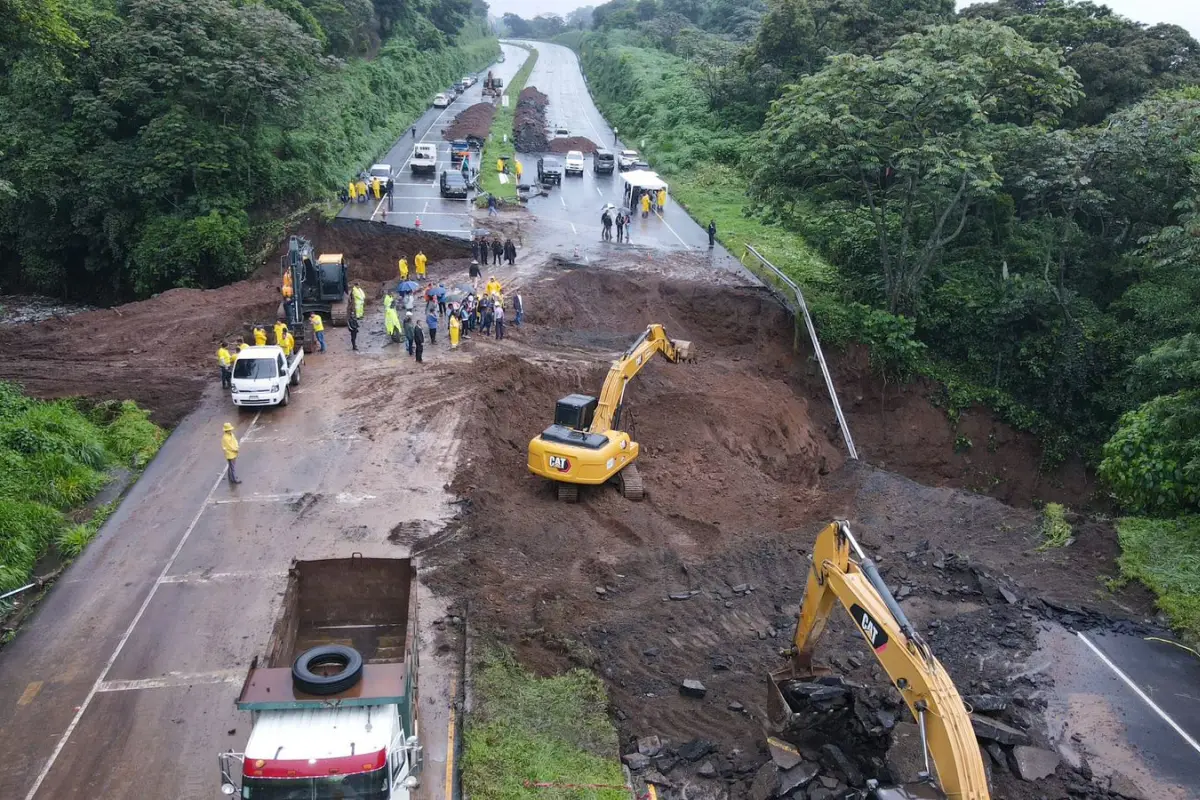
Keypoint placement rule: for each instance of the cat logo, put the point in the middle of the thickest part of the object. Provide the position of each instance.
(560, 463)
(870, 628)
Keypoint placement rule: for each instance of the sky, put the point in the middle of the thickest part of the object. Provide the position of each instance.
(1181, 12)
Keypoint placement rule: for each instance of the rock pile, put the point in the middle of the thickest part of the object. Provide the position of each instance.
(566, 144)
(529, 122)
(472, 124)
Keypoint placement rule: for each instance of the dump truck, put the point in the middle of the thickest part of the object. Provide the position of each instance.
(334, 699)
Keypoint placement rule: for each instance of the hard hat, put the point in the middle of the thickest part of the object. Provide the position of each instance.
(408, 313)
(228, 426)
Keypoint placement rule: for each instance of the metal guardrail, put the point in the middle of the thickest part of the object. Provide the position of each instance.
(812, 335)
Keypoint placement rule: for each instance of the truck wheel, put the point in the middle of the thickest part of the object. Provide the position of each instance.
(287, 396)
(296, 377)
(347, 659)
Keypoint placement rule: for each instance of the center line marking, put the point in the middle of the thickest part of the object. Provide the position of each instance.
(175, 679)
(87, 701)
(1138, 691)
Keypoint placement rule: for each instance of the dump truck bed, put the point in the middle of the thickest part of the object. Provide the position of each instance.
(360, 602)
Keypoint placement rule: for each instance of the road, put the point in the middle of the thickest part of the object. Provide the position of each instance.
(416, 196)
(122, 684)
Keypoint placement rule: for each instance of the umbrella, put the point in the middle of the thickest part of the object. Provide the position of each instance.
(477, 232)
(439, 291)
(408, 286)
(607, 206)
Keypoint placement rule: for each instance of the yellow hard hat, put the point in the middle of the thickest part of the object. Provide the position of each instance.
(228, 426)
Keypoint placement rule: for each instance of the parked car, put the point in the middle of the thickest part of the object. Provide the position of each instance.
(603, 162)
(549, 170)
(627, 159)
(424, 159)
(453, 184)
(573, 163)
(469, 80)
(459, 149)
(561, 133)
(381, 171)
(441, 101)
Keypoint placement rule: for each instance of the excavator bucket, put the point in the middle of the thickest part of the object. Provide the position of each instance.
(683, 350)
(780, 715)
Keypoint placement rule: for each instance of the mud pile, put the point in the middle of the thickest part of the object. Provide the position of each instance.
(565, 144)
(472, 124)
(529, 122)
(372, 249)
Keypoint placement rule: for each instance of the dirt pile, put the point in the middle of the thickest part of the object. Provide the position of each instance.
(472, 124)
(702, 581)
(529, 122)
(565, 144)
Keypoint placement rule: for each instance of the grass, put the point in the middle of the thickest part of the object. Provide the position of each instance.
(54, 457)
(1056, 531)
(538, 730)
(1164, 554)
(502, 124)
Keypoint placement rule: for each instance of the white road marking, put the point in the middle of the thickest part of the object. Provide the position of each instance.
(599, 192)
(563, 200)
(345, 498)
(1138, 691)
(672, 230)
(199, 576)
(350, 437)
(258, 498)
(426, 208)
(573, 229)
(175, 679)
(112, 659)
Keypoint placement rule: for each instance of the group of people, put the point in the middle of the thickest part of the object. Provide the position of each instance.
(649, 200)
(473, 312)
(624, 223)
(481, 247)
(419, 262)
(358, 190)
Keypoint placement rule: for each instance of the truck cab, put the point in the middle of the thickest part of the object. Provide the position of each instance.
(263, 376)
(334, 700)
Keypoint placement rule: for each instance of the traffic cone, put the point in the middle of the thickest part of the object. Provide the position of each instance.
(417, 224)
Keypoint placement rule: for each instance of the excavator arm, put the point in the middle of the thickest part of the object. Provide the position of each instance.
(653, 340)
(927, 689)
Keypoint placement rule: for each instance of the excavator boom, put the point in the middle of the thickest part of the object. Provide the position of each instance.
(653, 340)
(921, 679)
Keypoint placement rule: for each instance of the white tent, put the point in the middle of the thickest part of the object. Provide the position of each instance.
(639, 181)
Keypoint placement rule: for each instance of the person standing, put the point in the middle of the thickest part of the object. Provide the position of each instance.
(419, 342)
(352, 326)
(280, 330)
(645, 205)
(662, 200)
(510, 252)
(409, 332)
(486, 324)
(229, 444)
(353, 194)
(420, 265)
(391, 324)
(409, 302)
(440, 294)
(499, 313)
(620, 225)
(225, 360)
(475, 272)
(492, 212)
(518, 309)
(260, 336)
(289, 343)
(712, 233)
(431, 322)
(420, 261)
(360, 300)
(403, 268)
(497, 250)
(318, 329)
(605, 226)
(414, 132)
(455, 329)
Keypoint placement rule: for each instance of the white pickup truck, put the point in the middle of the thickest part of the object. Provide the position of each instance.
(262, 376)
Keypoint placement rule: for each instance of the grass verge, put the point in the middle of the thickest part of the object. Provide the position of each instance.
(55, 457)
(502, 124)
(538, 730)
(1056, 531)
(1164, 554)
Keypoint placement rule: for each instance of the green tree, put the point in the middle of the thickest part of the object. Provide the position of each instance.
(907, 137)
(1152, 462)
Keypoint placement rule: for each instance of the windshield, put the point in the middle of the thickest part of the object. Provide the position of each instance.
(367, 786)
(380, 172)
(254, 368)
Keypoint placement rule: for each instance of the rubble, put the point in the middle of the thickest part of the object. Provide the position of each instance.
(636, 761)
(1033, 763)
(529, 122)
(649, 746)
(695, 750)
(692, 688)
(565, 144)
(473, 123)
(996, 731)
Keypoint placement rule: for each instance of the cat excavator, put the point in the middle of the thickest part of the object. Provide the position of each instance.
(585, 445)
(842, 572)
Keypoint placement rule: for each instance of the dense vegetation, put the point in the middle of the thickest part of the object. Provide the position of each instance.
(546, 730)
(145, 141)
(55, 456)
(1006, 199)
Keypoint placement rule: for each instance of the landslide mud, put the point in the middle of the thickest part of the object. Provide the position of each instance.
(704, 578)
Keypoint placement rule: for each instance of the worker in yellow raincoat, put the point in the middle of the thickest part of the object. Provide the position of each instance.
(286, 289)
(260, 336)
(492, 286)
(229, 444)
(361, 186)
(376, 188)
(403, 269)
(280, 332)
(360, 300)
(420, 262)
(520, 169)
(391, 321)
(289, 343)
(420, 269)
(455, 329)
(662, 200)
(499, 165)
(353, 193)
(646, 204)
(225, 360)
(318, 329)
(241, 344)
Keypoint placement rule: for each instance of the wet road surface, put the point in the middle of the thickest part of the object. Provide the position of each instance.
(123, 682)
(417, 196)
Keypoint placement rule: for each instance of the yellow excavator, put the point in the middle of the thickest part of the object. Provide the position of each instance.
(942, 721)
(585, 445)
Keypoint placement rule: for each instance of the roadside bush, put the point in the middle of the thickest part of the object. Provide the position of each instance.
(1152, 462)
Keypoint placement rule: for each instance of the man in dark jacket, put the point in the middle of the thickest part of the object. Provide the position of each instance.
(419, 342)
(510, 252)
(712, 233)
(352, 326)
(497, 250)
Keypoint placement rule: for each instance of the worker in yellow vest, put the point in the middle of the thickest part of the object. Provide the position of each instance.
(353, 194)
(260, 336)
(420, 261)
(360, 300)
(280, 331)
(662, 200)
(318, 329)
(289, 343)
(225, 359)
(403, 269)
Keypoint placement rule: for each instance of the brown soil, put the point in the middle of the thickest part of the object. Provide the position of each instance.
(161, 352)
(742, 469)
(565, 144)
(529, 121)
(473, 123)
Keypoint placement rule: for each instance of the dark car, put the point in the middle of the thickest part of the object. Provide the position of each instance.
(453, 184)
(603, 162)
(550, 170)
(459, 149)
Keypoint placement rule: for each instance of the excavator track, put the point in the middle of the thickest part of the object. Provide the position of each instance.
(337, 315)
(631, 483)
(568, 492)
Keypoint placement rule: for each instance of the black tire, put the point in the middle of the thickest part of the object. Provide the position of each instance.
(287, 396)
(309, 682)
(296, 377)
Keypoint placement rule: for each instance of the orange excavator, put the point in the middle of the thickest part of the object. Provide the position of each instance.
(841, 572)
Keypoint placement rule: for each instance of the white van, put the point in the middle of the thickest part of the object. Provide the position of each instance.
(424, 159)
